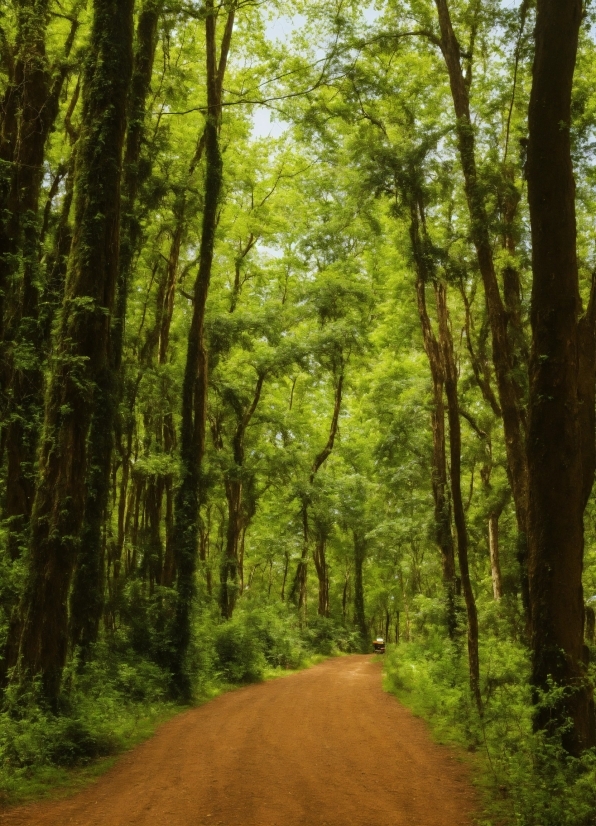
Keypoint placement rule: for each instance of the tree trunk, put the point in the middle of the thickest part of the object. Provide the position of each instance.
(38, 94)
(359, 612)
(237, 521)
(298, 590)
(285, 576)
(229, 571)
(493, 546)
(320, 560)
(344, 595)
(510, 394)
(561, 423)
(194, 390)
(590, 624)
(81, 347)
(38, 97)
(442, 509)
(450, 372)
(19, 256)
(146, 44)
(300, 579)
(87, 589)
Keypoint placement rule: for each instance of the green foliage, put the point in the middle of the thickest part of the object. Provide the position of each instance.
(108, 705)
(313, 278)
(528, 778)
(119, 695)
(240, 658)
(327, 636)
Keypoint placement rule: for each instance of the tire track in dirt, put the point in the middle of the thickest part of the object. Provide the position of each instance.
(324, 747)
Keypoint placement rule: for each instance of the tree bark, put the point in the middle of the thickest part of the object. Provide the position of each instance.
(459, 514)
(81, 349)
(510, 394)
(561, 422)
(442, 506)
(195, 385)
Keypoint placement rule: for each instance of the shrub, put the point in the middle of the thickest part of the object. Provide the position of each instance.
(531, 780)
(240, 658)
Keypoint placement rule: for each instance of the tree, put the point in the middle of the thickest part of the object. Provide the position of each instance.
(561, 443)
(510, 396)
(81, 356)
(194, 394)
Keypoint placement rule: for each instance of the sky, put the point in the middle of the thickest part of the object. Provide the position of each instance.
(280, 29)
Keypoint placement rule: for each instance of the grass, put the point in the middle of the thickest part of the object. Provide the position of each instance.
(135, 725)
(524, 777)
(49, 781)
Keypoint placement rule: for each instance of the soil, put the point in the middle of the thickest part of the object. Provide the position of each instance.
(324, 747)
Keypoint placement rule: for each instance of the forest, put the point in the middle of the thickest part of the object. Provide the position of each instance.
(298, 348)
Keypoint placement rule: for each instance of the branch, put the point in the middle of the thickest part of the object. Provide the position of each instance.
(473, 423)
(326, 452)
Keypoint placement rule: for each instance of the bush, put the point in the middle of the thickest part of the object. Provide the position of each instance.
(115, 698)
(327, 637)
(240, 658)
(530, 779)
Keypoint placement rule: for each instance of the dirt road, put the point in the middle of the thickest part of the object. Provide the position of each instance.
(325, 747)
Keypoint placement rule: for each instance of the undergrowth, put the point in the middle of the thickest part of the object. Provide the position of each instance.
(119, 697)
(527, 778)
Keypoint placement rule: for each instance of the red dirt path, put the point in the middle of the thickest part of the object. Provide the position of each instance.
(325, 747)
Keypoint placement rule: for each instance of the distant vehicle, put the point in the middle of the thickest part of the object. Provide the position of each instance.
(379, 645)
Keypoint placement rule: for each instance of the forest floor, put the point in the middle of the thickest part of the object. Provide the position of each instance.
(323, 747)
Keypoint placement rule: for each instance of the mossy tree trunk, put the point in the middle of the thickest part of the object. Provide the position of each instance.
(195, 384)
(25, 328)
(87, 597)
(35, 100)
(81, 353)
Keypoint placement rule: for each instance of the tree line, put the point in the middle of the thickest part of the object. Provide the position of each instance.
(349, 365)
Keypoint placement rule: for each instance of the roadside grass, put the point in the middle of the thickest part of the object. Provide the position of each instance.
(121, 697)
(28, 783)
(524, 778)
(31, 783)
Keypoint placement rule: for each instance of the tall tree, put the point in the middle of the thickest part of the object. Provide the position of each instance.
(234, 487)
(34, 94)
(510, 394)
(195, 386)
(561, 444)
(86, 600)
(440, 483)
(298, 590)
(81, 348)
(459, 514)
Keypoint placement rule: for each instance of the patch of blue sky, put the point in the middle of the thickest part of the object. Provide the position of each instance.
(279, 29)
